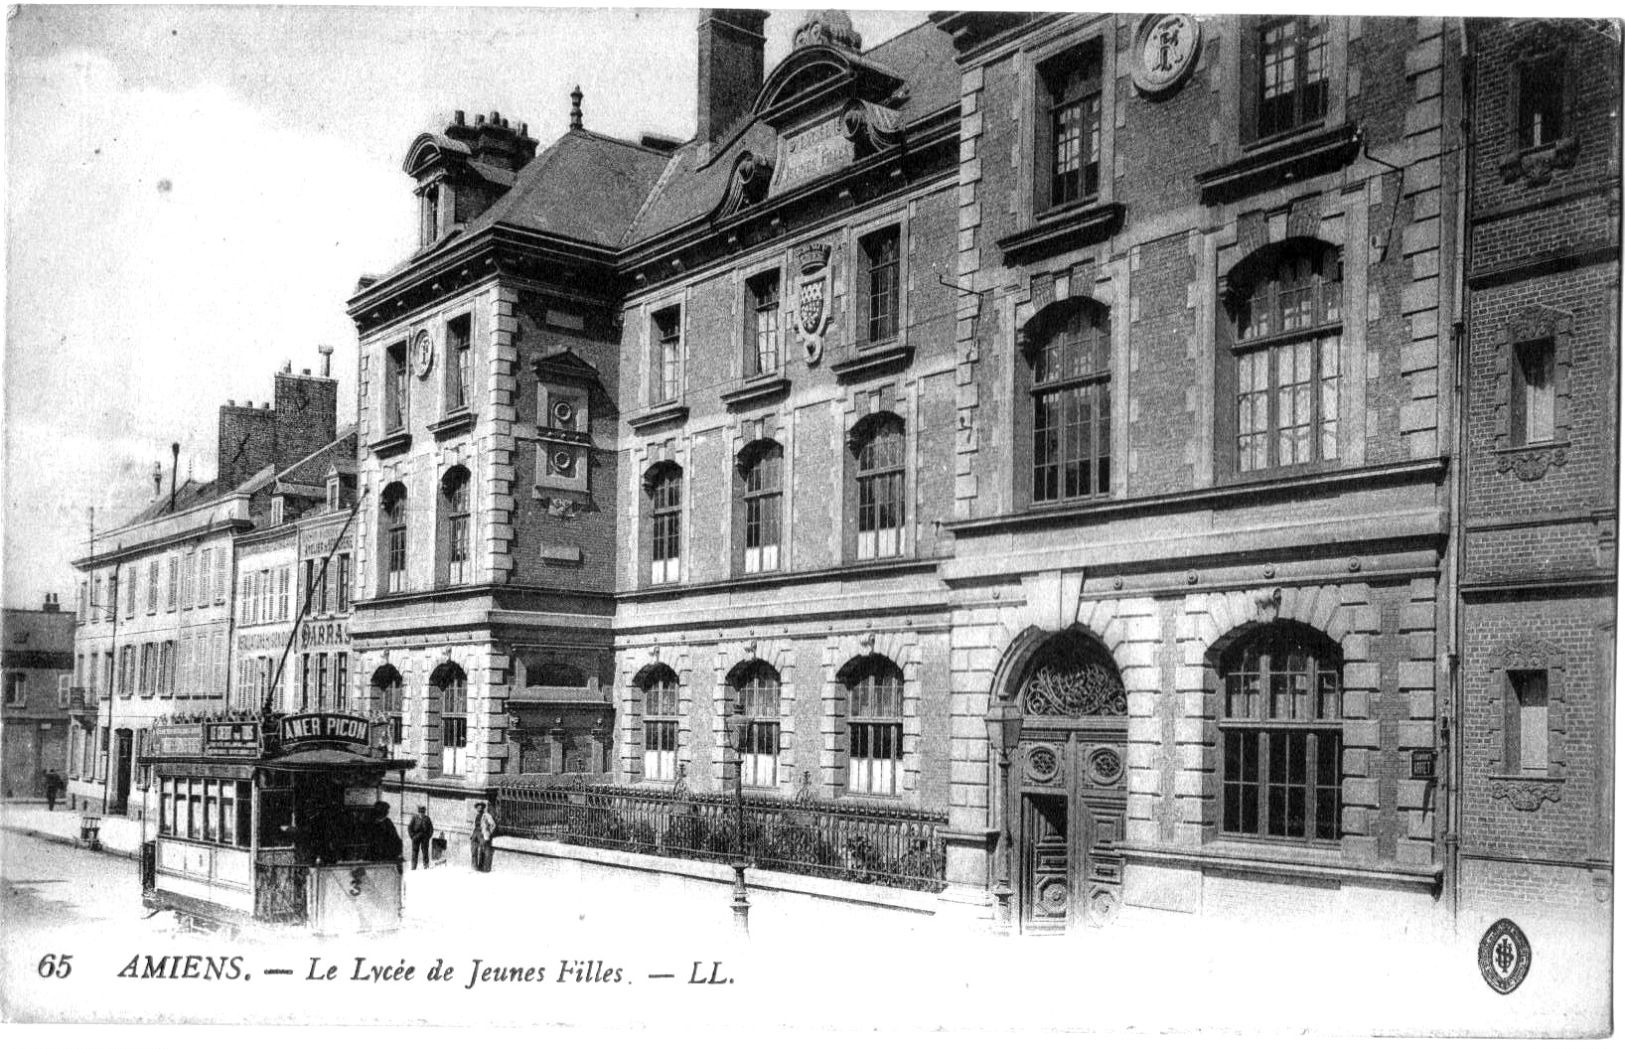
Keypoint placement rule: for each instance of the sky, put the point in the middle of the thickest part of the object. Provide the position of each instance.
(193, 191)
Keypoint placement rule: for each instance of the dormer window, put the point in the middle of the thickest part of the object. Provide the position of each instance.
(429, 215)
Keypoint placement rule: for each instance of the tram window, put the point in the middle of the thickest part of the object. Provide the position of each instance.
(276, 813)
(245, 818)
(166, 806)
(211, 812)
(194, 821)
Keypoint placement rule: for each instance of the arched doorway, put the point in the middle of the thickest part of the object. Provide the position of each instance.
(1068, 786)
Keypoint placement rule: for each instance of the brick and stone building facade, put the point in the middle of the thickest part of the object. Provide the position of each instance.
(1098, 371)
(1540, 501)
(36, 667)
(156, 638)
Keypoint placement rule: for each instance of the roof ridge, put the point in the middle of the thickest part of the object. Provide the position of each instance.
(339, 438)
(651, 196)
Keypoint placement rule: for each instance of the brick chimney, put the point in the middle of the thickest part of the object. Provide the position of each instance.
(731, 45)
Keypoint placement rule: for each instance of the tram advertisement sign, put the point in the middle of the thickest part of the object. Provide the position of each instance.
(238, 739)
(344, 730)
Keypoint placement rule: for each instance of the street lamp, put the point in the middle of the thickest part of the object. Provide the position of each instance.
(737, 726)
(1003, 721)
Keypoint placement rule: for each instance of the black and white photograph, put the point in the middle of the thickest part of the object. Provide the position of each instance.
(736, 521)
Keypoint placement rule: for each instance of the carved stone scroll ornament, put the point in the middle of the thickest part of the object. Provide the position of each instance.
(1075, 686)
(1526, 794)
(1531, 464)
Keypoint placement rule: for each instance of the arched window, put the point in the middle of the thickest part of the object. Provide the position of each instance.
(393, 539)
(387, 692)
(448, 710)
(761, 469)
(755, 688)
(1285, 314)
(455, 567)
(665, 499)
(874, 726)
(1281, 735)
(1072, 404)
(657, 685)
(879, 455)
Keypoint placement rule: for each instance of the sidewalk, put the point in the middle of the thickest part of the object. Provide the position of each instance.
(119, 836)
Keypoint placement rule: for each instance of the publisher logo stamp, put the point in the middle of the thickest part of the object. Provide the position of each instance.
(1504, 956)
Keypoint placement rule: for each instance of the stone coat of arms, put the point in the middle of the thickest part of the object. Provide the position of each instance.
(812, 299)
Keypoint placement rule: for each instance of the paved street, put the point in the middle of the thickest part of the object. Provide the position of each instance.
(47, 885)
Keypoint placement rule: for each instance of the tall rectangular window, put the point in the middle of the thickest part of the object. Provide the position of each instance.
(875, 728)
(764, 296)
(1070, 84)
(1528, 724)
(341, 680)
(205, 572)
(188, 578)
(880, 474)
(428, 215)
(1534, 392)
(880, 291)
(764, 486)
(667, 383)
(321, 681)
(304, 681)
(456, 495)
(660, 726)
(666, 513)
(220, 570)
(395, 388)
(1293, 71)
(1540, 101)
(343, 603)
(130, 579)
(152, 587)
(759, 701)
(453, 723)
(282, 578)
(166, 668)
(172, 584)
(1072, 407)
(96, 598)
(457, 363)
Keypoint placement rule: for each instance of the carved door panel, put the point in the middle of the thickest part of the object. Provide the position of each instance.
(1047, 863)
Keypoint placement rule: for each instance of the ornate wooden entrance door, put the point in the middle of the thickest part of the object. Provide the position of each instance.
(1070, 785)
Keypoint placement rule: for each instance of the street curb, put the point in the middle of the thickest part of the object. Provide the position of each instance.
(61, 839)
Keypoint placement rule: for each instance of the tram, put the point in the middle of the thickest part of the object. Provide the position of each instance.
(274, 818)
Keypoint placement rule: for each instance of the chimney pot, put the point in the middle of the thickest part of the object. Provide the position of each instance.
(457, 118)
(231, 404)
(575, 109)
(479, 119)
(327, 360)
(304, 371)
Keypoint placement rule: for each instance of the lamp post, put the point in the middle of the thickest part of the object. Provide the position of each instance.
(1003, 721)
(736, 724)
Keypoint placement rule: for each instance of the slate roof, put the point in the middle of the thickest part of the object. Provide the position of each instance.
(312, 469)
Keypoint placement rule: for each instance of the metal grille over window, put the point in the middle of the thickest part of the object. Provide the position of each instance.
(880, 471)
(660, 724)
(757, 686)
(1072, 411)
(1292, 89)
(1281, 735)
(874, 725)
(1288, 351)
(763, 492)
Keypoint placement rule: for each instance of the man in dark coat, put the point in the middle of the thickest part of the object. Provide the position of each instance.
(53, 787)
(385, 839)
(421, 831)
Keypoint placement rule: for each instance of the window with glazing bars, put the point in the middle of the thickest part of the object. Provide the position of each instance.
(880, 287)
(457, 364)
(763, 491)
(456, 488)
(387, 693)
(1071, 83)
(1288, 359)
(1281, 737)
(1072, 407)
(660, 725)
(764, 295)
(758, 700)
(453, 687)
(666, 509)
(880, 473)
(668, 357)
(395, 388)
(874, 725)
(1293, 58)
(395, 526)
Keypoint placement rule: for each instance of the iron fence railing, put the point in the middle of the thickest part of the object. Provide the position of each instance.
(874, 843)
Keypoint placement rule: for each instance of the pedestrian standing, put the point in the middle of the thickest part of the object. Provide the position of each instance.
(485, 829)
(420, 830)
(383, 839)
(53, 787)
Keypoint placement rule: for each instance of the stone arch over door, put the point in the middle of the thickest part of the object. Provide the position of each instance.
(1064, 798)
